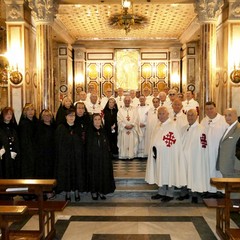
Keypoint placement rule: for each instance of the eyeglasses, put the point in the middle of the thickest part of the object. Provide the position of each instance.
(172, 94)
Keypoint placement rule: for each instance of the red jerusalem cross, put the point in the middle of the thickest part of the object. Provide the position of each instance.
(203, 140)
(169, 139)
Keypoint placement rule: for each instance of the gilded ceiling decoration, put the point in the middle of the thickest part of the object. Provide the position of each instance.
(88, 22)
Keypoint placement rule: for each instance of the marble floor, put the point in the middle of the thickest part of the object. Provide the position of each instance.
(131, 214)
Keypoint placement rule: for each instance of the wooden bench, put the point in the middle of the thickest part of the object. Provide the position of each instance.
(225, 206)
(9, 214)
(234, 234)
(44, 209)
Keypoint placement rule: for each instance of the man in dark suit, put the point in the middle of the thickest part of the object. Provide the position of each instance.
(227, 162)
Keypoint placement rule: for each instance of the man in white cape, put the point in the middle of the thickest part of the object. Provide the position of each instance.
(195, 149)
(129, 132)
(166, 164)
(215, 126)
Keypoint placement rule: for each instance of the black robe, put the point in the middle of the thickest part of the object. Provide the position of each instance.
(100, 168)
(27, 132)
(110, 118)
(83, 123)
(45, 151)
(9, 168)
(70, 163)
(61, 114)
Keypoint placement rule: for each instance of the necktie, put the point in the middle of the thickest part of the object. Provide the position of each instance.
(161, 103)
(155, 110)
(93, 106)
(188, 127)
(209, 121)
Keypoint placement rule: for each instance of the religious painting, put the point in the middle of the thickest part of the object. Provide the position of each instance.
(127, 68)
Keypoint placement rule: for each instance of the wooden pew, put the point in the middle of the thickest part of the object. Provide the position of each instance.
(45, 209)
(225, 206)
(9, 214)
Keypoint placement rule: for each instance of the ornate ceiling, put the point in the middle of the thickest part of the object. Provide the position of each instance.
(88, 21)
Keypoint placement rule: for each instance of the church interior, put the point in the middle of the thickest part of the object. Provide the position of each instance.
(51, 49)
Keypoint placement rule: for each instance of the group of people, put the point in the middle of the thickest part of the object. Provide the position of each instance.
(78, 145)
(74, 149)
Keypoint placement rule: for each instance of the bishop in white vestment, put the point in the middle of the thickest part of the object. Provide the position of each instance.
(129, 131)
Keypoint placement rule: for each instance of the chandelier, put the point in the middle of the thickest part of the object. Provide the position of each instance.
(127, 20)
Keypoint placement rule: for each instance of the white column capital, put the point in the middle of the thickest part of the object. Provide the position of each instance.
(208, 10)
(44, 11)
(14, 10)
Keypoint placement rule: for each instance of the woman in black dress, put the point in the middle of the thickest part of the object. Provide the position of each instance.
(45, 146)
(82, 119)
(27, 132)
(9, 145)
(61, 112)
(70, 163)
(100, 168)
(111, 126)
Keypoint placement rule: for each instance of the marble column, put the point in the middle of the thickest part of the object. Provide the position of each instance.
(44, 13)
(16, 30)
(79, 70)
(208, 12)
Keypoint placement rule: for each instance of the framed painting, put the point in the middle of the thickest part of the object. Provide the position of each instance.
(127, 68)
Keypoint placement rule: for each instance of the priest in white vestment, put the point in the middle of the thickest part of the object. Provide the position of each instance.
(120, 97)
(166, 165)
(177, 115)
(134, 99)
(190, 103)
(195, 149)
(108, 95)
(129, 131)
(93, 105)
(215, 125)
(143, 114)
(152, 120)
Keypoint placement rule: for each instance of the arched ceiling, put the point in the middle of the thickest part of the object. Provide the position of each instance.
(87, 21)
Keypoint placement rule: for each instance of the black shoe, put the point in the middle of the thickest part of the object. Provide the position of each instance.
(220, 195)
(181, 198)
(102, 197)
(157, 196)
(68, 198)
(77, 198)
(166, 199)
(94, 196)
(194, 199)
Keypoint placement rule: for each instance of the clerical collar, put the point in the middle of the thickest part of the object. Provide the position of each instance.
(213, 119)
(166, 122)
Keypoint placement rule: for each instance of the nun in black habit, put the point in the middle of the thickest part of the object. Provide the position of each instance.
(27, 131)
(45, 146)
(9, 145)
(70, 162)
(100, 168)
